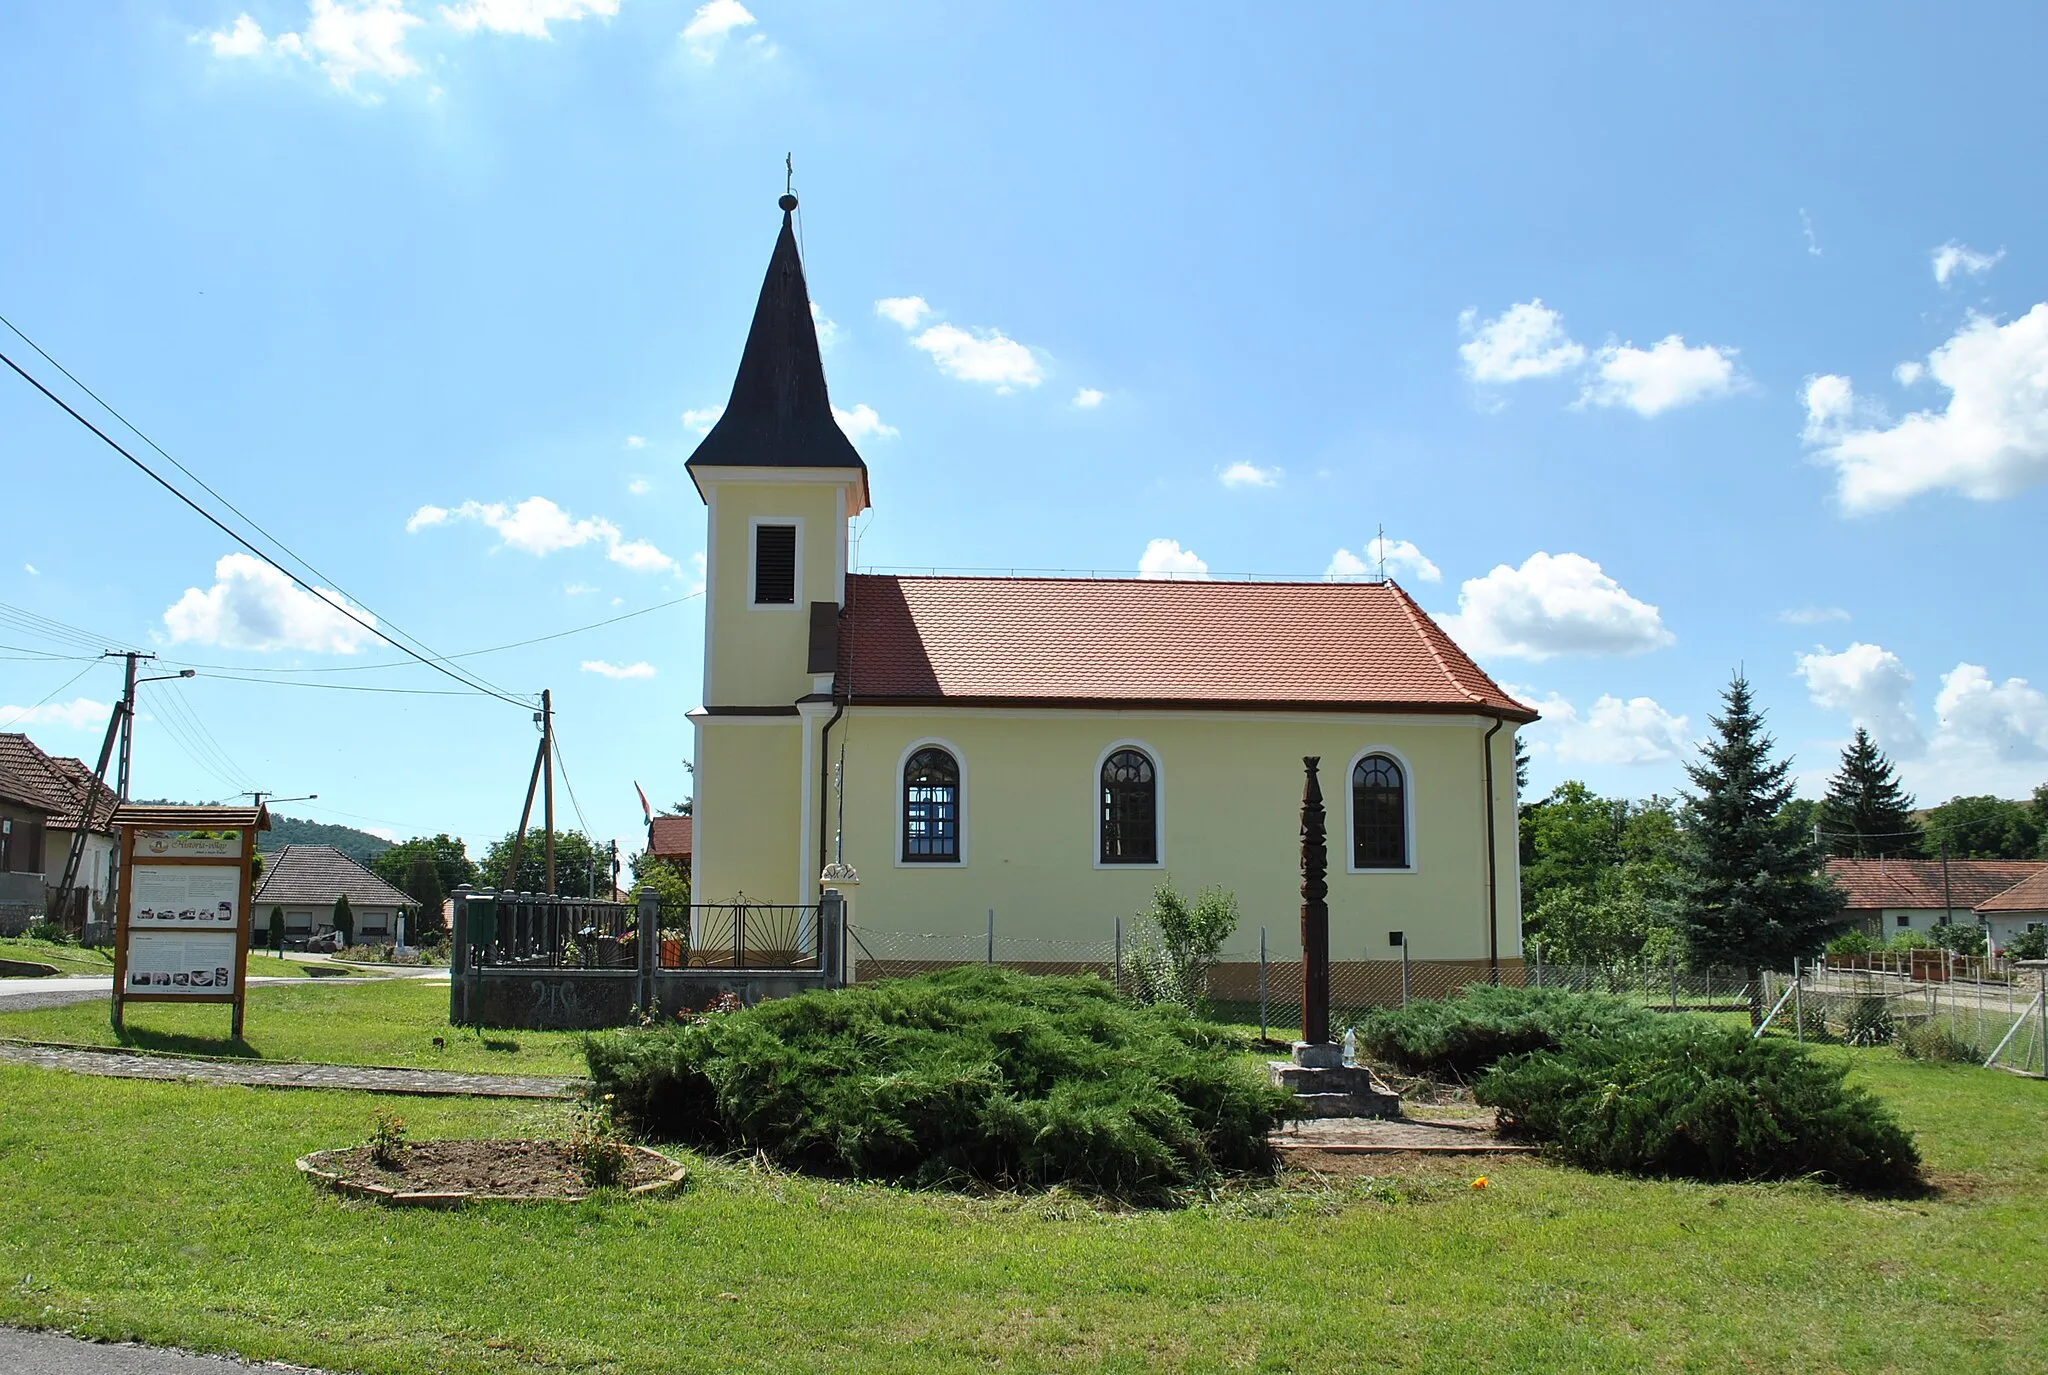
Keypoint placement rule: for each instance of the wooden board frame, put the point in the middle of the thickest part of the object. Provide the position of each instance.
(238, 819)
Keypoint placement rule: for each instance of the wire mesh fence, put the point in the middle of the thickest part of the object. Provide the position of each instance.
(1996, 1022)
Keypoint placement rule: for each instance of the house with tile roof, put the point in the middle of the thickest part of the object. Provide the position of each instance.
(60, 788)
(1886, 896)
(671, 839)
(1051, 748)
(305, 880)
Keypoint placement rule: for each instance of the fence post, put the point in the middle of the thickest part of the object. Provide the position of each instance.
(739, 931)
(1262, 984)
(1674, 983)
(1537, 946)
(650, 949)
(832, 937)
(1118, 957)
(1798, 1005)
(1404, 967)
(991, 935)
(458, 961)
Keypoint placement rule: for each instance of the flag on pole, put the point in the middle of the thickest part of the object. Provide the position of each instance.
(646, 812)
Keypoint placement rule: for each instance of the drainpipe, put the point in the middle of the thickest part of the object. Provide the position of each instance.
(1492, 862)
(825, 783)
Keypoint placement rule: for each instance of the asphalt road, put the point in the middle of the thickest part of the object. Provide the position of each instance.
(48, 1353)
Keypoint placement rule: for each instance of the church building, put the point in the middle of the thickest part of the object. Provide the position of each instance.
(1052, 748)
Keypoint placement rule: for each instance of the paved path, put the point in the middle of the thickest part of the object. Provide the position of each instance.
(26, 995)
(430, 1083)
(48, 1353)
(1374, 1136)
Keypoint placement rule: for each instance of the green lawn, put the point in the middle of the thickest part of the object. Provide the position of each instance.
(74, 959)
(171, 1213)
(341, 1021)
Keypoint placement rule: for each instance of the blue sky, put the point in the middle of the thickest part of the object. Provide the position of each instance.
(1658, 343)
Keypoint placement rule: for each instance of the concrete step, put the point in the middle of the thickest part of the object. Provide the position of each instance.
(1338, 1091)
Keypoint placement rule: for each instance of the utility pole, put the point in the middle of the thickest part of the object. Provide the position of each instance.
(127, 720)
(120, 729)
(543, 762)
(547, 749)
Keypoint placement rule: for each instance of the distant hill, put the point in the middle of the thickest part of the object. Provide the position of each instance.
(359, 846)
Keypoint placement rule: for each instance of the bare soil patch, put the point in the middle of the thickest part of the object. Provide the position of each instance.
(445, 1173)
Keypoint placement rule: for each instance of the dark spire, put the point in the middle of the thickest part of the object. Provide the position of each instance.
(779, 415)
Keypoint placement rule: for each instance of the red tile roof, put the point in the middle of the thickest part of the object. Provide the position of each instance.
(669, 837)
(2028, 895)
(52, 782)
(1916, 883)
(1086, 641)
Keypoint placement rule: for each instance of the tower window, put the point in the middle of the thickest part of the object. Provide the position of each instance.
(1130, 809)
(1379, 814)
(931, 808)
(775, 565)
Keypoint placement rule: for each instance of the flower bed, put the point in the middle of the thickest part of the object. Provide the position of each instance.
(446, 1174)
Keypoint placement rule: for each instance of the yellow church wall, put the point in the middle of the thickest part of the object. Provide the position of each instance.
(750, 777)
(755, 655)
(1230, 795)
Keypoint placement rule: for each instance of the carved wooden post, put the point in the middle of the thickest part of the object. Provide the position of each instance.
(1315, 910)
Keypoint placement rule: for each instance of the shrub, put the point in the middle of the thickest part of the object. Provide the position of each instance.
(277, 930)
(975, 1073)
(1962, 937)
(2031, 944)
(345, 920)
(44, 930)
(387, 1140)
(1463, 1035)
(1700, 1101)
(1175, 944)
(1867, 1021)
(1852, 942)
(1938, 1041)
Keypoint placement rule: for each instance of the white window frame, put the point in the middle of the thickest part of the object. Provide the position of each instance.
(902, 763)
(1407, 812)
(754, 524)
(1158, 806)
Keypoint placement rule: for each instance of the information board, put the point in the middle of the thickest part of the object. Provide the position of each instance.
(189, 896)
(182, 928)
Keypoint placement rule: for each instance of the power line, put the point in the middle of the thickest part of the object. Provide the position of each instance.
(26, 712)
(449, 658)
(337, 687)
(342, 608)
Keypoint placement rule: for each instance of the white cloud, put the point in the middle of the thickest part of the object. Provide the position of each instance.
(1953, 257)
(1164, 558)
(253, 606)
(1242, 474)
(80, 713)
(702, 420)
(244, 38)
(1551, 605)
(1345, 564)
(639, 486)
(1991, 440)
(981, 355)
(696, 574)
(907, 311)
(643, 669)
(1812, 615)
(828, 329)
(1806, 228)
(349, 40)
(1872, 686)
(578, 589)
(713, 24)
(1990, 723)
(862, 423)
(1088, 398)
(527, 17)
(1636, 730)
(539, 527)
(1908, 373)
(1400, 555)
(636, 441)
(1668, 374)
(1523, 341)
(31, 570)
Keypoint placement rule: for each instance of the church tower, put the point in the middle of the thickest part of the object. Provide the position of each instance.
(780, 482)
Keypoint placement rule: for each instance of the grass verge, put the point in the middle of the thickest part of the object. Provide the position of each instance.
(171, 1213)
(337, 1022)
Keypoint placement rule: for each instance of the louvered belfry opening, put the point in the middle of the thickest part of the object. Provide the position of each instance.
(774, 565)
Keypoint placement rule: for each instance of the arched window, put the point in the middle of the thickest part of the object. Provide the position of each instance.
(1130, 809)
(931, 807)
(1379, 814)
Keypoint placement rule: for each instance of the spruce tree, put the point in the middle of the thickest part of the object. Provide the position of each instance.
(1866, 812)
(1750, 890)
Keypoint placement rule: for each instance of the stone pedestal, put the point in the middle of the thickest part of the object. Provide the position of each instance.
(1327, 1087)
